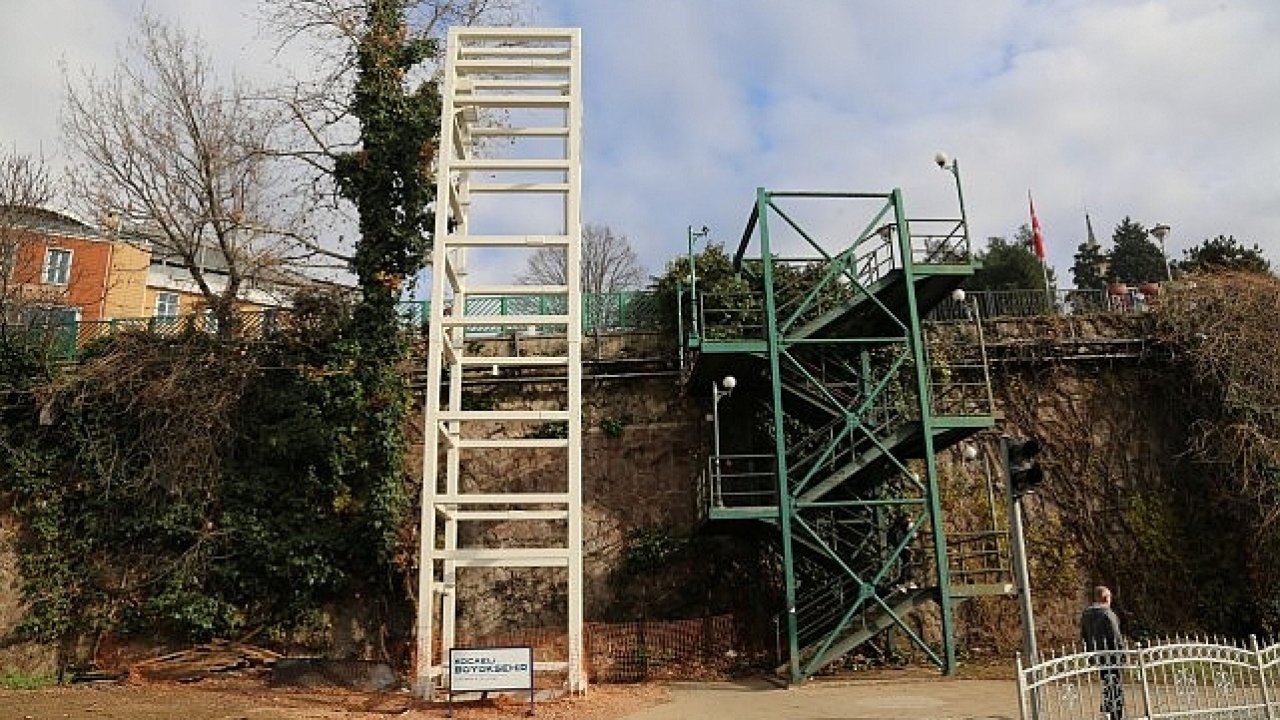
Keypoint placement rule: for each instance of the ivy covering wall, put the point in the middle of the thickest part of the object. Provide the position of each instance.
(191, 488)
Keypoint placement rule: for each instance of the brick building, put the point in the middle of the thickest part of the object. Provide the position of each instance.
(56, 271)
(57, 268)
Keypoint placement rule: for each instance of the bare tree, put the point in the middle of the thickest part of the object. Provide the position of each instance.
(324, 129)
(609, 265)
(26, 188)
(174, 154)
(343, 21)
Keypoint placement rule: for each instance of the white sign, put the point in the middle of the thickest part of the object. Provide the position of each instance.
(495, 668)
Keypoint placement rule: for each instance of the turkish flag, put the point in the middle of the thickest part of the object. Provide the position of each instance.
(1036, 233)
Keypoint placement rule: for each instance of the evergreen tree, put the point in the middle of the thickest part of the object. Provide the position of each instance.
(1134, 257)
(1224, 253)
(1090, 266)
(1010, 265)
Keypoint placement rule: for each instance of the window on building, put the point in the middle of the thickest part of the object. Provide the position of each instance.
(167, 304)
(57, 266)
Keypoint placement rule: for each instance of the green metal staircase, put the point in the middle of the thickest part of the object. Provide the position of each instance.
(833, 354)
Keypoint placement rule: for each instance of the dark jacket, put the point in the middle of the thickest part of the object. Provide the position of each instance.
(1100, 629)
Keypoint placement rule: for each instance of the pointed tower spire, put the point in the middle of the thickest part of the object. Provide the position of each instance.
(1093, 240)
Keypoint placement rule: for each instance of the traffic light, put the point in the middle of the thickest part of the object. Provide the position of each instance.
(1021, 466)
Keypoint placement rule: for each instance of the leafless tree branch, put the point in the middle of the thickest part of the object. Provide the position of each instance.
(318, 104)
(609, 265)
(26, 187)
(186, 161)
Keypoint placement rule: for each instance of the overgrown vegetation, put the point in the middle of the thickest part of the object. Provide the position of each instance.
(1221, 254)
(390, 183)
(26, 682)
(190, 487)
(1010, 265)
(613, 426)
(650, 548)
(1223, 327)
(715, 277)
(553, 430)
(1162, 477)
(731, 301)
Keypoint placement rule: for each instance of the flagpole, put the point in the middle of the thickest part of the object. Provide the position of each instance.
(1038, 238)
(1048, 290)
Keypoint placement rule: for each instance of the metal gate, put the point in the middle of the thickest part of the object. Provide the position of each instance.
(1177, 678)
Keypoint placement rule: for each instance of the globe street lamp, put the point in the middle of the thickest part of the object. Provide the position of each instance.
(718, 392)
(952, 165)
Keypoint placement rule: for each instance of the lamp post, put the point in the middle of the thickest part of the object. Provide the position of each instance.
(1160, 232)
(718, 392)
(952, 165)
(693, 277)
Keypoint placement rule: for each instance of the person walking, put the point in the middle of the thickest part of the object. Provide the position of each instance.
(1100, 633)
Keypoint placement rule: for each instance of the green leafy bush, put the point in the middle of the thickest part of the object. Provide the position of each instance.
(613, 426)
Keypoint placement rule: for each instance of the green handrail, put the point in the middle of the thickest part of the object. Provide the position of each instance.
(626, 311)
(622, 311)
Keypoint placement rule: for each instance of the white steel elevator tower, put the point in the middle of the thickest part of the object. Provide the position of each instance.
(509, 166)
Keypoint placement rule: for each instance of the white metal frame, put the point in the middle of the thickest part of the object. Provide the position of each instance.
(64, 269)
(500, 73)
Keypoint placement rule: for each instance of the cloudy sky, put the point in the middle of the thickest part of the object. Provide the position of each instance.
(1163, 111)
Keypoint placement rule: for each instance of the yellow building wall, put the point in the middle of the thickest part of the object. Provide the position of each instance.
(126, 295)
(188, 302)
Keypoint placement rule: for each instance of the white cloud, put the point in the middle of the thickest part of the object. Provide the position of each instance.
(36, 37)
(1137, 108)
(1160, 111)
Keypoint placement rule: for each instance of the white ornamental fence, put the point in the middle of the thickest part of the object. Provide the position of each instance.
(1176, 678)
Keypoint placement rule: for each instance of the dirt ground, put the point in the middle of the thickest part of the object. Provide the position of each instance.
(245, 699)
(910, 695)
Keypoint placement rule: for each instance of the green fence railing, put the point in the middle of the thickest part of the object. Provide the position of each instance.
(996, 304)
(628, 311)
(605, 312)
(601, 312)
